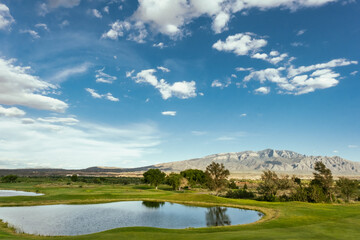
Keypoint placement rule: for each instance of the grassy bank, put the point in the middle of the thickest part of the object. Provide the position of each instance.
(289, 220)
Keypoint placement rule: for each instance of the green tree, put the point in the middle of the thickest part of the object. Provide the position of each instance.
(323, 179)
(194, 176)
(74, 178)
(154, 177)
(216, 174)
(347, 187)
(174, 180)
(269, 185)
(9, 178)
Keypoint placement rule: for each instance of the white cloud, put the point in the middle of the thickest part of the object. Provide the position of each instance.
(107, 96)
(181, 90)
(233, 76)
(46, 144)
(106, 9)
(354, 73)
(160, 45)
(17, 87)
(32, 33)
(217, 83)
(274, 53)
(300, 32)
(5, 17)
(42, 25)
(169, 113)
(66, 73)
(93, 93)
(96, 13)
(164, 69)
(241, 69)
(353, 146)
(331, 64)
(11, 112)
(240, 44)
(170, 17)
(243, 115)
(66, 121)
(262, 56)
(136, 31)
(110, 97)
(52, 4)
(296, 82)
(263, 90)
(130, 73)
(102, 77)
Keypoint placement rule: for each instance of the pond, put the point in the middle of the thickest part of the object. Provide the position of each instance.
(13, 193)
(54, 220)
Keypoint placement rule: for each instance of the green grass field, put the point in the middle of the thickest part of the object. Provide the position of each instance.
(288, 220)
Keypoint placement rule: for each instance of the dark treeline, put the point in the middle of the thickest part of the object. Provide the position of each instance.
(72, 179)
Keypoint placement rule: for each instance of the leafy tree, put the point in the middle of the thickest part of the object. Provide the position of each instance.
(154, 177)
(216, 174)
(269, 185)
(194, 176)
(347, 187)
(176, 181)
(9, 178)
(74, 178)
(323, 179)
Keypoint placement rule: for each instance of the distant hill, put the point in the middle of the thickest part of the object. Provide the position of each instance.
(275, 160)
(281, 161)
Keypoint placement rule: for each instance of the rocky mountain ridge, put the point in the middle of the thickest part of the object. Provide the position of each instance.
(268, 159)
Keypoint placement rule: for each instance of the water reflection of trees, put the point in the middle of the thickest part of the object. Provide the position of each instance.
(150, 204)
(216, 216)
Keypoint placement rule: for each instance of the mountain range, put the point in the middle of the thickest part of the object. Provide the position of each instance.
(245, 163)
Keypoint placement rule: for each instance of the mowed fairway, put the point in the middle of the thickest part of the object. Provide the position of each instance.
(289, 220)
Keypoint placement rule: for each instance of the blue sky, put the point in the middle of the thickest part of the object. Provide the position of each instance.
(132, 83)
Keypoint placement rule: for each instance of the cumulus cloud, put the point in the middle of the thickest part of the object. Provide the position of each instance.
(160, 45)
(240, 44)
(5, 17)
(136, 31)
(96, 13)
(170, 17)
(102, 77)
(181, 90)
(169, 113)
(53, 4)
(218, 84)
(263, 90)
(110, 97)
(291, 80)
(11, 112)
(107, 96)
(43, 26)
(241, 69)
(18, 87)
(60, 145)
(32, 33)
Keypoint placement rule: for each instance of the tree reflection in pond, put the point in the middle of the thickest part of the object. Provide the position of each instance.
(150, 204)
(216, 216)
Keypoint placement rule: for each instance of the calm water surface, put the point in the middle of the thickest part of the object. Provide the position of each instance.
(13, 193)
(90, 218)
